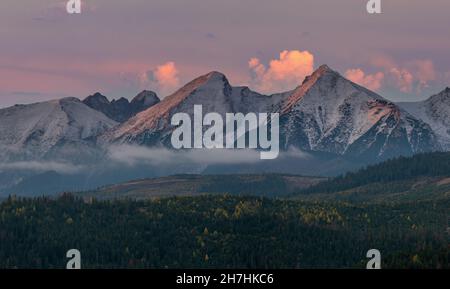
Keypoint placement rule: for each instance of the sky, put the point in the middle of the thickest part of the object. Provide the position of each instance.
(120, 47)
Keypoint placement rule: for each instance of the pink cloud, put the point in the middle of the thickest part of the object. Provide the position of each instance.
(424, 71)
(284, 73)
(370, 81)
(164, 78)
(403, 79)
(412, 76)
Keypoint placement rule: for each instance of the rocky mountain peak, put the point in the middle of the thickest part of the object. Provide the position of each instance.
(96, 98)
(145, 98)
(121, 109)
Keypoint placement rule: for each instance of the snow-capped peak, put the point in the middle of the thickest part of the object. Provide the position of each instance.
(435, 111)
(301, 90)
(36, 129)
(330, 113)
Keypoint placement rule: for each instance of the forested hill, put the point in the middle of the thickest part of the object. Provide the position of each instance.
(269, 185)
(430, 165)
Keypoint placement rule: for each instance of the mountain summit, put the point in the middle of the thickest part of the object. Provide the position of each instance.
(301, 90)
(144, 100)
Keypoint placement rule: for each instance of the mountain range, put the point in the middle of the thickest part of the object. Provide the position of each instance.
(326, 113)
(340, 125)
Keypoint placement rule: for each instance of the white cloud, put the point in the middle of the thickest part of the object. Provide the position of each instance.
(42, 166)
(134, 155)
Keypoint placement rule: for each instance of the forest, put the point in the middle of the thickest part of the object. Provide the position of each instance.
(221, 231)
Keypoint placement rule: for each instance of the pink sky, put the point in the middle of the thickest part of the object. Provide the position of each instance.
(121, 47)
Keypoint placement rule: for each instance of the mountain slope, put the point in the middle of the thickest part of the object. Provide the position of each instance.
(435, 111)
(39, 130)
(121, 110)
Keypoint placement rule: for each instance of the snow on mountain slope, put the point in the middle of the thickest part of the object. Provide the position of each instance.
(332, 114)
(34, 130)
(435, 111)
(212, 91)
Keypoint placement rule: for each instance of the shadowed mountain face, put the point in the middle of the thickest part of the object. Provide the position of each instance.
(121, 110)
